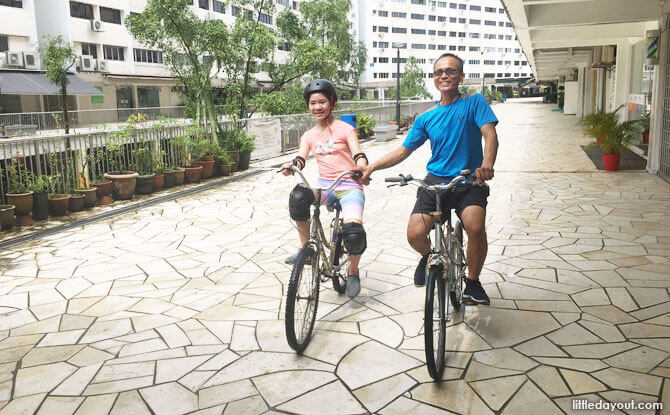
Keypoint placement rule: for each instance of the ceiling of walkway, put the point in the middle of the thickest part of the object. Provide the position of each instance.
(558, 35)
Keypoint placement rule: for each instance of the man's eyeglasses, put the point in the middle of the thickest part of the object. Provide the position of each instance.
(449, 71)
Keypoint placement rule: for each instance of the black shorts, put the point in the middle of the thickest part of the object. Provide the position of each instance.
(458, 197)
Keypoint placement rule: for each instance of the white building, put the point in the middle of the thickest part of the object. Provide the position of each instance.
(478, 31)
(129, 74)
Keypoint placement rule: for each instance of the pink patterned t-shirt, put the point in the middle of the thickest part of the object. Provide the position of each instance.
(331, 149)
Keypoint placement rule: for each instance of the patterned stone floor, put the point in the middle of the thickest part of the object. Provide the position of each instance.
(178, 308)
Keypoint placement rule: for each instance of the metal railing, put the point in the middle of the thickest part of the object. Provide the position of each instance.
(77, 159)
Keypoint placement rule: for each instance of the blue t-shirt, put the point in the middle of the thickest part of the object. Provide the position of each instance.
(454, 134)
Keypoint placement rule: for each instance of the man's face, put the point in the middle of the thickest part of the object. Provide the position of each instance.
(447, 75)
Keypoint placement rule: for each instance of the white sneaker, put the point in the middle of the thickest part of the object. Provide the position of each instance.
(353, 285)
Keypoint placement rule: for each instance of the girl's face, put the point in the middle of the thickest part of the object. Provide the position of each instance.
(319, 106)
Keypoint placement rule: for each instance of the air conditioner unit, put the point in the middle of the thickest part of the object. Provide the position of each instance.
(87, 63)
(96, 25)
(31, 60)
(102, 66)
(14, 59)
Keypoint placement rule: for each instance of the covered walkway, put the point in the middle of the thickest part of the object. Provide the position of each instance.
(178, 308)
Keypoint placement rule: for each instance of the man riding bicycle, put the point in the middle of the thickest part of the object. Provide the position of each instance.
(455, 127)
(335, 146)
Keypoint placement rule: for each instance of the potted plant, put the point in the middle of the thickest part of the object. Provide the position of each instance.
(58, 198)
(228, 141)
(224, 163)
(40, 188)
(144, 165)
(364, 125)
(206, 149)
(595, 123)
(246, 146)
(6, 216)
(192, 172)
(123, 180)
(159, 171)
(645, 123)
(614, 141)
(96, 170)
(18, 191)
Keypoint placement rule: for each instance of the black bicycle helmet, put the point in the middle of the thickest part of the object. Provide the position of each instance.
(323, 86)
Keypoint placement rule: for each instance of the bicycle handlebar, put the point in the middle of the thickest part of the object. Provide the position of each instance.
(338, 179)
(404, 180)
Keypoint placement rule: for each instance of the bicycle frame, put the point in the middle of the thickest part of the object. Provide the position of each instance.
(317, 236)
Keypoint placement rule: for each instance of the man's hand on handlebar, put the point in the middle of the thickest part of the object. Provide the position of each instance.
(483, 173)
(364, 172)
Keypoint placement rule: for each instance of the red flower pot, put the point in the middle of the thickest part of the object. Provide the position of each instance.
(24, 204)
(104, 192)
(207, 168)
(611, 161)
(645, 137)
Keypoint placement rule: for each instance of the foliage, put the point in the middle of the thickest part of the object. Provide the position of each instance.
(58, 57)
(466, 90)
(186, 42)
(19, 178)
(614, 135)
(40, 184)
(645, 120)
(288, 101)
(222, 158)
(364, 125)
(143, 159)
(237, 139)
(412, 85)
(596, 124)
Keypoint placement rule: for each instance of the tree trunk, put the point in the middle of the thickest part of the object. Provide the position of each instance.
(211, 114)
(66, 120)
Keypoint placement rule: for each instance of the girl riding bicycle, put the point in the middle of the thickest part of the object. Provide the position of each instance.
(335, 147)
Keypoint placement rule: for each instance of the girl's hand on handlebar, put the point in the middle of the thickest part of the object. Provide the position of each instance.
(286, 169)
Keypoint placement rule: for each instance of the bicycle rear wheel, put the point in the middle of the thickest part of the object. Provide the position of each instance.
(434, 330)
(457, 268)
(302, 298)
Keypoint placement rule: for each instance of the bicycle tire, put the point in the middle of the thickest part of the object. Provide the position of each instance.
(456, 269)
(435, 355)
(299, 340)
(339, 281)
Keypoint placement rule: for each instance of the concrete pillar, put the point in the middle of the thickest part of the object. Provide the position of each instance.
(657, 99)
(624, 67)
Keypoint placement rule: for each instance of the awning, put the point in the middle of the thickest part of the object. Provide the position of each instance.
(35, 83)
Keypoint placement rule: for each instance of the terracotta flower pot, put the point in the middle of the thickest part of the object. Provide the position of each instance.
(23, 203)
(58, 204)
(179, 176)
(76, 203)
(90, 196)
(6, 216)
(103, 193)
(611, 161)
(123, 184)
(40, 205)
(192, 174)
(159, 182)
(207, 168)
(144, 184)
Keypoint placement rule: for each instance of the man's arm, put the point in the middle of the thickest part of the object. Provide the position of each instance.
(485, 172)
(390, 159)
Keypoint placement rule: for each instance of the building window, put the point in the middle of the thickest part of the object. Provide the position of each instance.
(489, 62)
(383, 45)
(383, 60)
(499, 75)
(284, 3)
(384, 29)
(473, 75)
(461, 34)
(401, 15)
(431, 32)
(147, 96)
(461, 7)
(501, 24)
(431, 18)
(418, 31)
(473, 48)
(113, 53)
(475, 21)
(473, 62)
(476, 8)
(234, 10)
(419, 2)
(148, 56)
(490, 9)
(203, 4)
(395, 60)
(452, 47)
(383, 74)
(441, 32)
(474, 35)
(441, 47)
(12, 3)
(399, 30)
(89, 49)
(524, 63)
(81, 10)
(452, 20)
(383, 13)
(501, 11)
(508, 24)
(461, 20)
(442, 18)
(416, 16)
(452, 34)
(489, 22)
(4, 43)
(418, 46)
(110, 15)
(508, 37)
(441, 4)
(374, 44)
(220, 7)
(489, 75)
(501, 37)
(461, 48)
(265, 18)
(431, 47)
(452, 5)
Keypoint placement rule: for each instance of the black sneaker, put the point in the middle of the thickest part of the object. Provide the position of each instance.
(420, 272)
(474, 293)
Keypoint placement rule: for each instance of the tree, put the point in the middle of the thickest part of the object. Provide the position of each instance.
(412, 84)
(171, 27)
(59, 57)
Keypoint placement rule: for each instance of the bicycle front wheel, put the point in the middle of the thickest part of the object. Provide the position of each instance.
(302, 298)
(435, 322)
